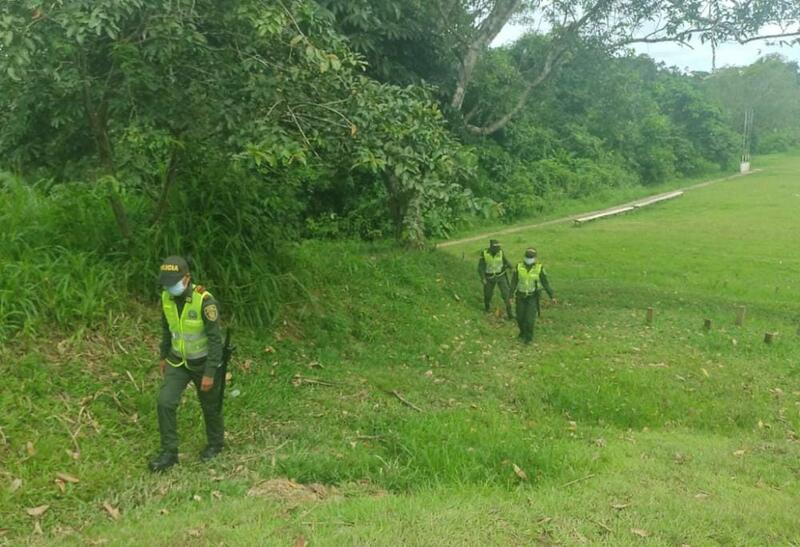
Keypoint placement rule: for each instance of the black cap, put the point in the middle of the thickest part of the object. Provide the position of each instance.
(172, 270)
(530, 252)
(494, 243)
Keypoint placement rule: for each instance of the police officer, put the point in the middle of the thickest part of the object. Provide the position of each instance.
(191, 351)
(527, 283)
(492, 268)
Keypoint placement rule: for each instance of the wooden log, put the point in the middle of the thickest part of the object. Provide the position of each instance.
(741, 312)
(707, 324)
(603, 214)
(650, 314)
(656, 199)
(769, 337)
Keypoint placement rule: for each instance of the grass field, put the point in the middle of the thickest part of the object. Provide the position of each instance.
(606, 430)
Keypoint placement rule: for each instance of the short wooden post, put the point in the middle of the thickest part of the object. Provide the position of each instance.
(769, 337)
(741, 312)
(706, 324)
(650, 314)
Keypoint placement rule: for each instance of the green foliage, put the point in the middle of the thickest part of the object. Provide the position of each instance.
(396, 38)
(602, 123)
(403, 142)
(219, 131)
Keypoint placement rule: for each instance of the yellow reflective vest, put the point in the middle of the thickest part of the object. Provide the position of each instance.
(494, 263)
(528, 280)
(189, 339)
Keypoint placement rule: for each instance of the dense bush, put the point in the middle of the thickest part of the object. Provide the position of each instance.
(602, 123)
(51, 274)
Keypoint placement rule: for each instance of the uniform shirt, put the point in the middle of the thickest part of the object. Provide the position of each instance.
(543, 281)
(212, 330)
(482, 265)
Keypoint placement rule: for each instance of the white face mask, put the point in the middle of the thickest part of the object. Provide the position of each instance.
(177, 289)
(529, 261)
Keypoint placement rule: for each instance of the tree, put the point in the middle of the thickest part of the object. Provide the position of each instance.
(611, 25)
(257, 102)
(771, 89)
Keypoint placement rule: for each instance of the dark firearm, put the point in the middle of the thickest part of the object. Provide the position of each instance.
(227, 351)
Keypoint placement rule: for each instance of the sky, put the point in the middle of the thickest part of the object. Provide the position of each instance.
(684, 58)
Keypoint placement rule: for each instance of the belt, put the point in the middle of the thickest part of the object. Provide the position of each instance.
(526, 294)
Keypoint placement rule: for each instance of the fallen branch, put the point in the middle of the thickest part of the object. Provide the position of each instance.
(603, 526)
(570, 483)
(405, 401)
(298, 380)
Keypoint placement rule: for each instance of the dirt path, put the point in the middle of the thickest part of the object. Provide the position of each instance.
(515, 229)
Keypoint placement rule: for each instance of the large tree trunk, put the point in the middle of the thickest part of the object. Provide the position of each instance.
(486, 32)
(397, 203)
(97, 117)
(168, 179)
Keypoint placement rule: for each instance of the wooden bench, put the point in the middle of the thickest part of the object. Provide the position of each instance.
(619, 210)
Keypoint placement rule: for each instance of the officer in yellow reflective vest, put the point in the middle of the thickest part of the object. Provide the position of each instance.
(492, 269)
(191, 351)
(527, 283)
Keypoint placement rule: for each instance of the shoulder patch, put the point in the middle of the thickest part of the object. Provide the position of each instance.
(199, 289)
(211, 312)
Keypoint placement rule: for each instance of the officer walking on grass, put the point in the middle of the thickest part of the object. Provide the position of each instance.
(527, 283)
(492, 269)
(191, 351)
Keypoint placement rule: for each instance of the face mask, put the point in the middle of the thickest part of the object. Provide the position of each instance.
(177, 289)
(494, 250)
(529, 261)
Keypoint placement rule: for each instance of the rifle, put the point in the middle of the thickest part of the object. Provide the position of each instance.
(227, 352)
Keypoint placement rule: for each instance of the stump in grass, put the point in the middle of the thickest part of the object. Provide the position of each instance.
(706, 324)
(769, 337)
(741, 311)
(650, 314)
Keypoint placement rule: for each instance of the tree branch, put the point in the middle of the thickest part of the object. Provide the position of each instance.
(768, 37)
(552, 59)
(487, 31)
(168, 180)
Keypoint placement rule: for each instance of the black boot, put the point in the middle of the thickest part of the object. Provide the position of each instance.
(210, 452)
(163, 461)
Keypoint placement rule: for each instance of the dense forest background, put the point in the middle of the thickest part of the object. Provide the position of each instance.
(226, 131)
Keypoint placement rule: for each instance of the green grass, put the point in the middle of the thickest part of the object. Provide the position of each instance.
(472, 226)
(622, 429)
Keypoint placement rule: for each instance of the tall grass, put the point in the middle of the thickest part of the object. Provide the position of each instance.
(64, 264)
(48, 276)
